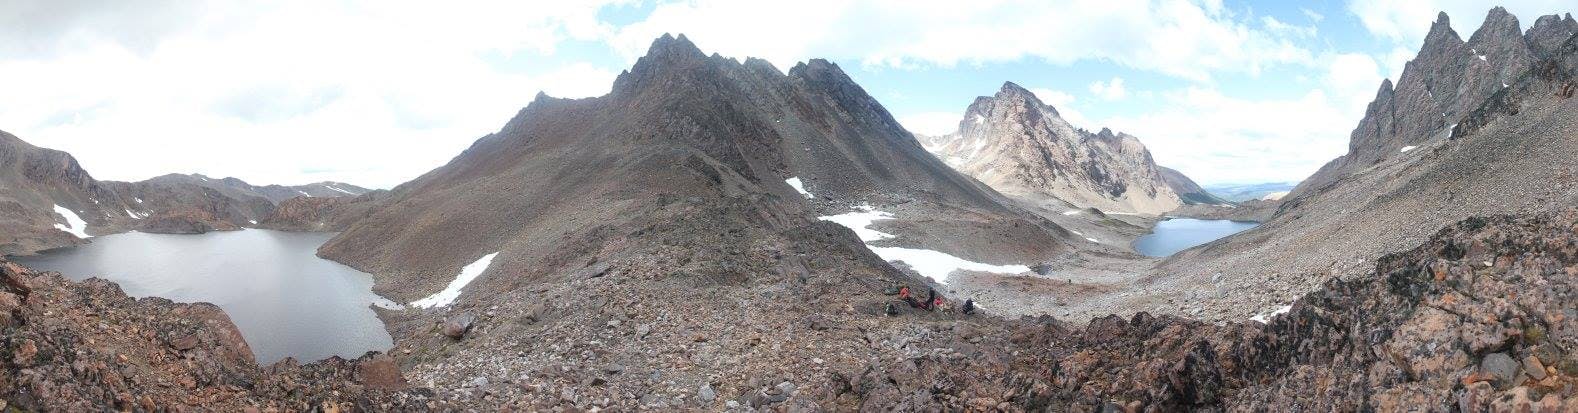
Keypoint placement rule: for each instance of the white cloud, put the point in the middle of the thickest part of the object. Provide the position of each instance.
(281, 92)
(1216, 138)
(1109, 90)
(1353, 79)
(931, 123)
(1191, 40)
(1064, 103)
(1056, 98)
(1314, 16)
(1277, 26)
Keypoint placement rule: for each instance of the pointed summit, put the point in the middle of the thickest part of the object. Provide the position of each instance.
(1441, 31)
(1498, 25)
(668, 45)
(1013, 92)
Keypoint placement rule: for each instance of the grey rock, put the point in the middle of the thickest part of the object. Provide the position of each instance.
(1501, 366)
(706, 393)
(458, 325)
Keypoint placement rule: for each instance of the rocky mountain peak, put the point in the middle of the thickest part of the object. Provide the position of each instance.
(668, 55)
(1441, 34)
(1499, 26)
(1012, 92)
(819, 70)
(1549, 32)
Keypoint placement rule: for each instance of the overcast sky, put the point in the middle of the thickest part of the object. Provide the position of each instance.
(377, 92)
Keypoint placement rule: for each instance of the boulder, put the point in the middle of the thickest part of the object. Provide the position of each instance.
(457, 326)
(1502, 367)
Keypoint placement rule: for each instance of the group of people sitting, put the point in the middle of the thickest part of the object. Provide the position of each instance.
(933, 301)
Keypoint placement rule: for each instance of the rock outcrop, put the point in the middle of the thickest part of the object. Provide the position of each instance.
(1020, 146)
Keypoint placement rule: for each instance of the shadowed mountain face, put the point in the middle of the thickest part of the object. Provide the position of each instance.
(680, 131)
(1021, 146)
(1499, 149)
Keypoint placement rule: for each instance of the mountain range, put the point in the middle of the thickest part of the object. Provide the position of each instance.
(47, 200)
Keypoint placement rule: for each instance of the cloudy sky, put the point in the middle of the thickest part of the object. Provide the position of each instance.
(377, 92)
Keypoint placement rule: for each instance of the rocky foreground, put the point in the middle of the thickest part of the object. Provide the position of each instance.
(86, 346)
(1480, 318)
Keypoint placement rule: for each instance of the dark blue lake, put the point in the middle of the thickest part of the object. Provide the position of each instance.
(1178, 234)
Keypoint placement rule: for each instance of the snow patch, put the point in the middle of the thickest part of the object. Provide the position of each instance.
(1274, 196)
(451, 292)
(1071, 212)
(135, 214)
(932, 264)
(859, 221)
(139, 200)
(253, 221)
(1452, 130)
(339, 190)
(1405, 149)
(303, 193)
(1092, 240)
(74, 224)
(937, 265)
(979, 119)
(1262, 318)
(794, 181)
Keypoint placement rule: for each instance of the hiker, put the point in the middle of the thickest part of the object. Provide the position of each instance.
(969, 307)
(932, 300)
(904, 294)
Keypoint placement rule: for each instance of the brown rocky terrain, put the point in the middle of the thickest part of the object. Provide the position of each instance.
(322, 214)
(1472, 320)
(1022, 147)
(86, 346)
(1509, 151)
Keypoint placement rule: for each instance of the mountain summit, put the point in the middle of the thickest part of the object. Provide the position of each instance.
(1021, 146)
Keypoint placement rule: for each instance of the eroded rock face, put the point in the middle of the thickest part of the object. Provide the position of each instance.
(86, 346)
(1021, 146)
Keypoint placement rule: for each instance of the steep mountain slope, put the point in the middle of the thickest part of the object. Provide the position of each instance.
(1510, 151)
(1189, 192)
(679, 130)
(1020, 146)
(36, 185)
(275, 194)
